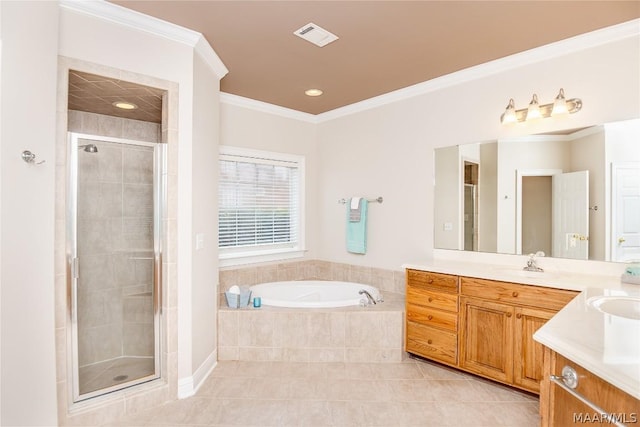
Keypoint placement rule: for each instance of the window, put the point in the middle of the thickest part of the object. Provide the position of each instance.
(260, 206)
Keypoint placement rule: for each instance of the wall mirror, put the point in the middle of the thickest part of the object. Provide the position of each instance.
(571, 194)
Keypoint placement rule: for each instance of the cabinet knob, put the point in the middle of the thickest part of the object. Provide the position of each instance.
(519, 316)
(429, 317)
(430, 299)
(508, 314)
(429, 341)
(430, 281)
(514, 294)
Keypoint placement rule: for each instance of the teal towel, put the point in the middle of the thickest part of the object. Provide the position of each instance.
(357, 230)
(633, 270)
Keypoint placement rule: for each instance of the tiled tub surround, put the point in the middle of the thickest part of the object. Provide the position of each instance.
(349, 334)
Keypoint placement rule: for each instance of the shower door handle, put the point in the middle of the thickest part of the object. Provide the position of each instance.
(74, 268)
(73, 306)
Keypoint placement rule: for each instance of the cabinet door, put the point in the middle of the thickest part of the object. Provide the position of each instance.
(486, 340)
(527, 371)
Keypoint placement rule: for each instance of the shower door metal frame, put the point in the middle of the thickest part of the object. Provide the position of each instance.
(72, 262)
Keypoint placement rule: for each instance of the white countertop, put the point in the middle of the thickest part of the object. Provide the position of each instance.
(606, 345)
(551, 278)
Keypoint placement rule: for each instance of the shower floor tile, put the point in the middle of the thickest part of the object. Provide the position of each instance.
(113, 372)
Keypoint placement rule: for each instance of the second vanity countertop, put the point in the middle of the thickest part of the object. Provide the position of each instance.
(604, 344)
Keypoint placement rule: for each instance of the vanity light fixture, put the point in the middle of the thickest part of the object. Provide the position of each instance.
(561, 105)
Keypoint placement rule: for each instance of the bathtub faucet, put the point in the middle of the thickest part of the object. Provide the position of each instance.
(369, 297)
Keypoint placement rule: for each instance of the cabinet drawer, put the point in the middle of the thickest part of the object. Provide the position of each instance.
(534, 296)
(432, 299)
(432, 343)
(428, 280)
(432, 317)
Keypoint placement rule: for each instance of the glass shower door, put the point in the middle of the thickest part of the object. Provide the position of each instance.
(114, 258)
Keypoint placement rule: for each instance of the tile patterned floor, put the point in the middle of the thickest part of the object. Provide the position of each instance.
(410, 393)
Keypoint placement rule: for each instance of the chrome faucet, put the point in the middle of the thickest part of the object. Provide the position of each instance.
(369, 297)
(531, 262)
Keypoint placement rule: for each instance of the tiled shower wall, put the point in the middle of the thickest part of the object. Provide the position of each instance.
(385, 280)
(115, 240)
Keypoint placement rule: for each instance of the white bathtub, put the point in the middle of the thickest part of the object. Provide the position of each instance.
(312, 293)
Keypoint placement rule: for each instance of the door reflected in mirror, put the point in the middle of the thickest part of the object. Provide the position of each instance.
(573, 194)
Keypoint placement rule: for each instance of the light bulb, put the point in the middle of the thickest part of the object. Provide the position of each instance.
(509, 115)
(533, 112)
(560, 104)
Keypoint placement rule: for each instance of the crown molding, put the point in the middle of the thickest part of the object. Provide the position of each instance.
(206, 52)
(117, 14)
(265, 107)
(553, 50)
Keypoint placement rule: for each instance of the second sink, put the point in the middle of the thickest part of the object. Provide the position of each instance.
(622, 306)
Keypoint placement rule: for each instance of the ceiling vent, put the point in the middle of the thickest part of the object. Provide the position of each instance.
(315, 34)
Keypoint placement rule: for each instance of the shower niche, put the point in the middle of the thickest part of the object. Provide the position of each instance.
(114, 241)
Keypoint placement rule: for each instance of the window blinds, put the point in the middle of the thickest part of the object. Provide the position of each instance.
(258, 203)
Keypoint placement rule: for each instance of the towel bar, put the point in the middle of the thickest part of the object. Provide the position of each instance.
(376, 200)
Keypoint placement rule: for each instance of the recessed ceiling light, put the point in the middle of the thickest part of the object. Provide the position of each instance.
(124, 105)
(313, 92)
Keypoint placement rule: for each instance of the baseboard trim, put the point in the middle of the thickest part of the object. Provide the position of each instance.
(189, 386)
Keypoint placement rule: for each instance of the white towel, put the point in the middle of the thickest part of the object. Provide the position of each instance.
(355, 202)
(355, 211)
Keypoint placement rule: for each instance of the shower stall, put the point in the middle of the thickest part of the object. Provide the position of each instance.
(114, 239)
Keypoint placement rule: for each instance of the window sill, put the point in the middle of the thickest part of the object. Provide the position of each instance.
(254, 257)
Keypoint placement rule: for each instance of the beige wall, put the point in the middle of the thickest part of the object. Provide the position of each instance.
(388, 151)
(29, 34)
(588, 153)
(206, 131)
(447, 190)
(488, 198)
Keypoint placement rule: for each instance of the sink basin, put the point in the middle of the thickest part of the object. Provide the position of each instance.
(622, 306)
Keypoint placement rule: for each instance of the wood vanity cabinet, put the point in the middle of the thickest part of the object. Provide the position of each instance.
(496, 341)
(498, 320)
(432, 316)
(481, 326)
(559, 408)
